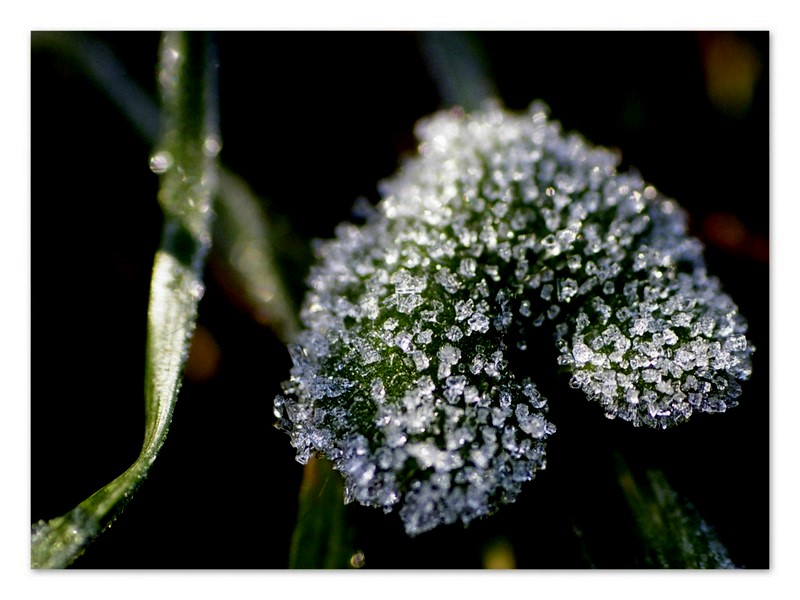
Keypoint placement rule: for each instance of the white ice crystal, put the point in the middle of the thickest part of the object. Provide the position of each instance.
(500, 225)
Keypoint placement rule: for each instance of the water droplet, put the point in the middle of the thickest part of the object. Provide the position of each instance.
(211, 146)
(171, 57)
(160, 162)
(357, 560)
(197, 290)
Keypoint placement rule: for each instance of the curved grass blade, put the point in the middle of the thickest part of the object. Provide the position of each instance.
(244, 237)
(187, 161)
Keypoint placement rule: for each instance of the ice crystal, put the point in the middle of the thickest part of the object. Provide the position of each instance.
(500, 225)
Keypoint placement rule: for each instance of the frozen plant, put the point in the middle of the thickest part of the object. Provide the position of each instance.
(502, 234)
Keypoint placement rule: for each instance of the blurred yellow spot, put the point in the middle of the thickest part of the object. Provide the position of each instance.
(732, 68)
(499, 554)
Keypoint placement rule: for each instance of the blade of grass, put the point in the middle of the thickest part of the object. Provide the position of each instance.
(244, 238)
(187, 157)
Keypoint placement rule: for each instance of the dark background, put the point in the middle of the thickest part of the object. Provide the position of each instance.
(313, 121)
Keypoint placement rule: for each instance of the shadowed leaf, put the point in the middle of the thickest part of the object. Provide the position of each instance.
(674, 534)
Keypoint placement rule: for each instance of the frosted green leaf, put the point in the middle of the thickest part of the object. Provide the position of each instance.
(503, 233)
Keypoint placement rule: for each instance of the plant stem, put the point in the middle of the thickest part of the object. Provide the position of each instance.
(244, 238)
(188, 186)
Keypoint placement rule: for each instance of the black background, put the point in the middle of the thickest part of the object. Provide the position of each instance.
(313, 121)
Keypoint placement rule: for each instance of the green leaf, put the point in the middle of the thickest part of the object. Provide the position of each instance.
(458, 66)
(186, 159)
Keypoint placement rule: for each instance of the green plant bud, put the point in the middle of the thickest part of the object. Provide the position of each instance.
(501, 225)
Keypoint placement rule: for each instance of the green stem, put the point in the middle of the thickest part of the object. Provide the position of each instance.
(244, 238)
(188, 185)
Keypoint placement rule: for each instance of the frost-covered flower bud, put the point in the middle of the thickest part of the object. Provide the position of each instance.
(502, 224)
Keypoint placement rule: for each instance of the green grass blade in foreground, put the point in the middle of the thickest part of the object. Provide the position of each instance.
(187, 161)
(245, 239)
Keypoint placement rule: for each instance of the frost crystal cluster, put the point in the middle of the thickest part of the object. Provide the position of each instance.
(501, 225)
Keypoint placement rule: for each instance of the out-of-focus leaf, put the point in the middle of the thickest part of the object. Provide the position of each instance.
(674, 534)
(244, 240)
(459, 67)
(186, 160)
(99, 64)
(498, 553)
